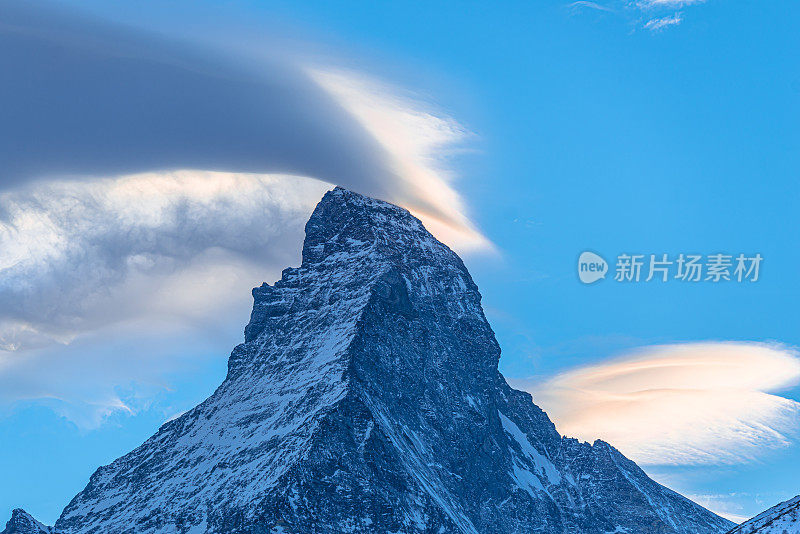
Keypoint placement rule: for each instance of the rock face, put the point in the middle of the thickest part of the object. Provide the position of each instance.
(22, 522)
(366, 398)
(783, 518)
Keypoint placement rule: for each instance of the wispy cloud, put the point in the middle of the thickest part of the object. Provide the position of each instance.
(721, 504)
(659, 24)
(586, 4)
(121, 370)
(652, 15)
(693, 403)
(670, 4)
(418, 142)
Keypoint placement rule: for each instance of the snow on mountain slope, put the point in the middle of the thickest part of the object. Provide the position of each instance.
(22, 522)
(366, 398)
(783, 518)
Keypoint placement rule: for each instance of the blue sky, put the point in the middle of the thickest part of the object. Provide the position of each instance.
(581, 128)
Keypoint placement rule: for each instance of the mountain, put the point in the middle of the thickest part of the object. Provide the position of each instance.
(22, 522)
(783, 518)
(366, 397)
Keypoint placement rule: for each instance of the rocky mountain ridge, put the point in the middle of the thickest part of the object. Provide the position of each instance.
(783, 518)
(367, 398)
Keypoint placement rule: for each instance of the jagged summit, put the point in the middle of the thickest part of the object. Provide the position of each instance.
(344, 220)
(366, 398)
(359, 234)
(22, 522)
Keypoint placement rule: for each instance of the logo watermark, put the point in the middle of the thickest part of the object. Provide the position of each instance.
(713, 268)
(591, 267)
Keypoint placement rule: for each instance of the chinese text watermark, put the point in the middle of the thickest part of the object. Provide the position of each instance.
(664, 268)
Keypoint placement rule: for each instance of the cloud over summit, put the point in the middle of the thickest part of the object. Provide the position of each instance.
(131, 161)
(148, 184)
(93, 99)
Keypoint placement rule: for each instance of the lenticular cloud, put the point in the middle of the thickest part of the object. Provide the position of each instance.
(95, 100)
(693, 403)
(134, 165)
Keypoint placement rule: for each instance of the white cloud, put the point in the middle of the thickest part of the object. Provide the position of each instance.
(652, 15)
(76, 256)
(693, 403)
(672, 4)
(418, 141)
(660, 24)
(580, 4)
(120, 370)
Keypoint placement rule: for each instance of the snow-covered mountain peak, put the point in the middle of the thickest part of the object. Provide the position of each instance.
(344, 222)
(366, 398)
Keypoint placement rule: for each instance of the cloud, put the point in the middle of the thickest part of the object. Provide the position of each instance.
(111, 289)
(91, 99)
(693, 403)
(721, 504)
(659, 24)
(581, 4)
(76, 256)
(121, 370)
(149, 184)
(417, 142)
(671, 4)
(652, 15)
(98, 212)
